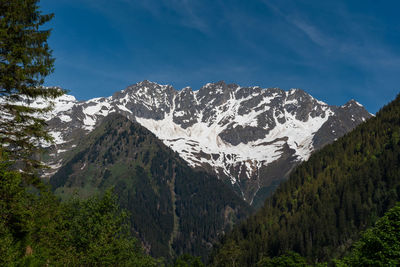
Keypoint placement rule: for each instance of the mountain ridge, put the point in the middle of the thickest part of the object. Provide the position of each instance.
(235, 132)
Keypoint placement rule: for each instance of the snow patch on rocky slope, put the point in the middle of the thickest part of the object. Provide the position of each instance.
(229, 129)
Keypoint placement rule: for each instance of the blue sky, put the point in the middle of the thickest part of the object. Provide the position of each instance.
(335, 50)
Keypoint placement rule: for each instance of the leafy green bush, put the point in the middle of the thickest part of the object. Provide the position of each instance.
(379, 245)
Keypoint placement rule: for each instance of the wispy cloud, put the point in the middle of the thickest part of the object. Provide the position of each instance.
(295, 20)
(188, 12)
(355, 45)
(312, 32)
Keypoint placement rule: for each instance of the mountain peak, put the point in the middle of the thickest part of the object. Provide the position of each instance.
(146, 82)
(218, 83)
(187, 89)
(146, 89)
(219, 87)
(298, 94)
(352, 103)
(239, 133)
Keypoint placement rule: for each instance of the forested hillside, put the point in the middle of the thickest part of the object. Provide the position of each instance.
(319, 212)
(37, 230)
(173, 209)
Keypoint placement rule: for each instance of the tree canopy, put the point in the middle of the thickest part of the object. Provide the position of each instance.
(25, 60)
(379, 245)
(39, 230)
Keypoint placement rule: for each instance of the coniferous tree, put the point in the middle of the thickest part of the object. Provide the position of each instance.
(36, 229)
(25, 60)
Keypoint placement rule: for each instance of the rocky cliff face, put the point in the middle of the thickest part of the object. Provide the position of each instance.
(249, 136)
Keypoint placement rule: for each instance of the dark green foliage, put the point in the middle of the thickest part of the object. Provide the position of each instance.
(340, 191)
(88, 233)
(379, 245)
(187, 260)
(290, 259)
(14, 212)
(229, 256)
(35, 229)
(25, 59)
(173, 209)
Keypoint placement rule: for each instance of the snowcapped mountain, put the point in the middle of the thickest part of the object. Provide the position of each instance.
(249, 136)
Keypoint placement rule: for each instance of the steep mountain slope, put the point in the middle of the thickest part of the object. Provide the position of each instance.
(327, 200)
(174, 209)
(249, 136)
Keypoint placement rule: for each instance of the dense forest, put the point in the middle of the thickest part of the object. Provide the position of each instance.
(36, 229)
(319, 212)
(378, 246)
(173, 209)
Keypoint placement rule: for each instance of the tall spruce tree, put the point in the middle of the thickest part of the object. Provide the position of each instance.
(25, 60)
(35, 228)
